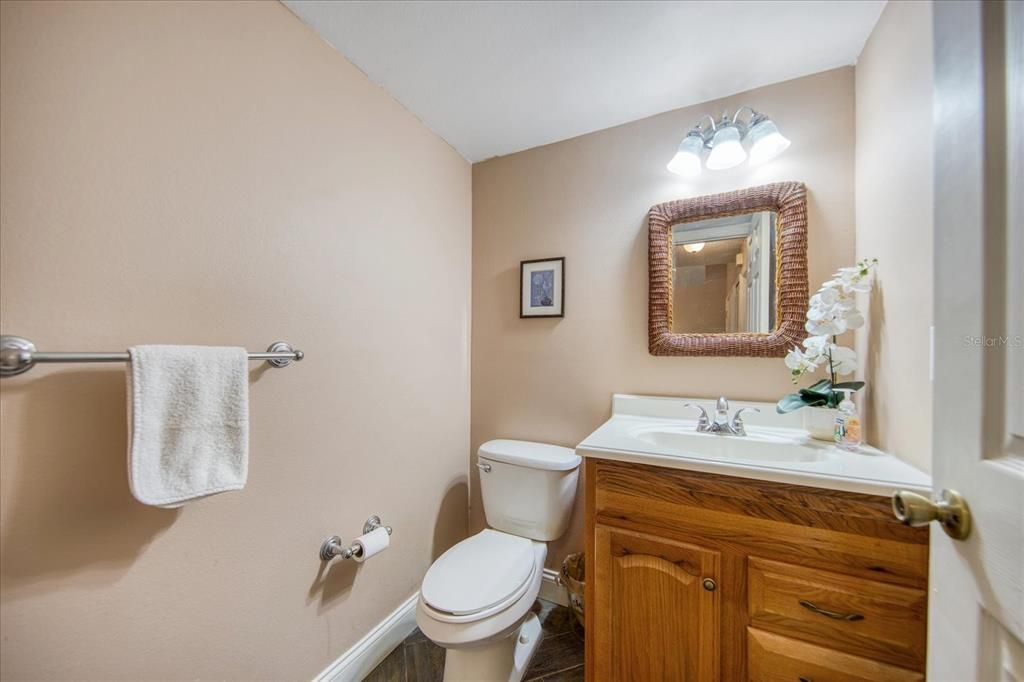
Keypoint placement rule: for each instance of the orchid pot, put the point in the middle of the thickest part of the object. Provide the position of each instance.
(820, 422)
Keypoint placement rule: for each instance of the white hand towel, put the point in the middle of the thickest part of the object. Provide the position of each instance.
(188, 421)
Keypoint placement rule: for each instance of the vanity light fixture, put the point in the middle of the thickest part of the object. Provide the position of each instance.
(725, 139)
(726, 150)
(693, 248)
(686, 162)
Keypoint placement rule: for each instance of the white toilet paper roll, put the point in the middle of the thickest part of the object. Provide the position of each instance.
(374, 542)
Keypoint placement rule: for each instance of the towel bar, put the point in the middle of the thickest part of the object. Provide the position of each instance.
(19, 355)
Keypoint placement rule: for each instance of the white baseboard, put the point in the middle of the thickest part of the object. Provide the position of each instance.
(551, 590)
(367, 653)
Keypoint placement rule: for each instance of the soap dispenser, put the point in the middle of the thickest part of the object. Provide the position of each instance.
(847, 431)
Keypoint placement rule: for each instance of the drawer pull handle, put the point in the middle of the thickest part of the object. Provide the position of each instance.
(811, 606)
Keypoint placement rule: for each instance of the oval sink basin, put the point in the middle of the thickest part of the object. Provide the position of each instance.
(754, 447)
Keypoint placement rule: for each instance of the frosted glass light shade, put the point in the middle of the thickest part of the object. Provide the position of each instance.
(693, 248)
(686, 162)
(726, 150)
(766, 142)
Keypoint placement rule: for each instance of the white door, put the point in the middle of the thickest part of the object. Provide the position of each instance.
(758, 273)
(976, 607)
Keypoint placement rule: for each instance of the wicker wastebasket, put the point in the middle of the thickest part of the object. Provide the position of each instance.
(572, 578)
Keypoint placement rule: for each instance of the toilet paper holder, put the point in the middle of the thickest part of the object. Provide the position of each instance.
(333, 545)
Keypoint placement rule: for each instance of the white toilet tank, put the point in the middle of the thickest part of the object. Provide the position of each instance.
(528, 489)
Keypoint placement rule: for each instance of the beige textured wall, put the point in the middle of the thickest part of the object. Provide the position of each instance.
(214, 173)
(894, 224)
(586, 199)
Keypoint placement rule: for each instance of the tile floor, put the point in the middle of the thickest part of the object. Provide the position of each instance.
(559, 657)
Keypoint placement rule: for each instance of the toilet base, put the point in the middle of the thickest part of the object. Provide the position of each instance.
(504, 660)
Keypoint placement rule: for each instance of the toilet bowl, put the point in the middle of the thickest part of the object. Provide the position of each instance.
(476, 598)
(485, 622)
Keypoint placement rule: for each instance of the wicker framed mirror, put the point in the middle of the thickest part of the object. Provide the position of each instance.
(733, 269)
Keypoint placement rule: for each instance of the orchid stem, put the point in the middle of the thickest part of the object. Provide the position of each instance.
(832, 374)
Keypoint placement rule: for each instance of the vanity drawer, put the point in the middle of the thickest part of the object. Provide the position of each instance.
(862, 617)
(774, 658)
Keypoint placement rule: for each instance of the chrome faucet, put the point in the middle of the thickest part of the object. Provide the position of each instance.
(722, 425)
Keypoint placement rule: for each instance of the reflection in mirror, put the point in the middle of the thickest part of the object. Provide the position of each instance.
(723, 274)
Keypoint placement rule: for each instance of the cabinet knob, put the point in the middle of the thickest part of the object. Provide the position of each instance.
(710, 584)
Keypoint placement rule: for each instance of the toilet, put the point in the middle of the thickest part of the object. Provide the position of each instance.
(476, 598)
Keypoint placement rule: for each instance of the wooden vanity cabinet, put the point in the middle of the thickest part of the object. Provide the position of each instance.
(694, 577)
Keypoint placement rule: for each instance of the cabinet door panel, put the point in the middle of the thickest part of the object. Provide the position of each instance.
(655, 617)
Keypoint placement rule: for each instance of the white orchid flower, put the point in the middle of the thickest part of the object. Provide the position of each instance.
(845, 303)
(854, 319)
(816, 345)
(825, 296)
(844, 360)
(800, 363)
(854, 279)
(829, 326)
(861, 286)
(795, 359)
(819, 327)
(819, 313)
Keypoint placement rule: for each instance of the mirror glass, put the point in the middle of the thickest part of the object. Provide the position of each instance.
(723, 274)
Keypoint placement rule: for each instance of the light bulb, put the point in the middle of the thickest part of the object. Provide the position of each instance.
(693, 248)
(686, 162)
(766, 141)
(726, 150)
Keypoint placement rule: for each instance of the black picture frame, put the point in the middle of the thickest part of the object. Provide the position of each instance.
(559, 264)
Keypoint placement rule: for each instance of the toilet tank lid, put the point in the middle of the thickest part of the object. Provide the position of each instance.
(526, 454)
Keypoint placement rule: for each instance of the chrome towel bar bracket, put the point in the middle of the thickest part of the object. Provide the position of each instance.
(19, 355)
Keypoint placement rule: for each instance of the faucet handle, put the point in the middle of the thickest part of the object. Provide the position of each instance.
(702, 420)
(737, 420)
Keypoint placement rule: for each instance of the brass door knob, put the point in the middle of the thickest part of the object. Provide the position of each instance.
(950, 510)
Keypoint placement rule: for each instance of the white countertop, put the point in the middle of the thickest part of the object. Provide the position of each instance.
(816, 463)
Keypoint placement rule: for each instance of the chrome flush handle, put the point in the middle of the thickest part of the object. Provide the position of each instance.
(484, 467)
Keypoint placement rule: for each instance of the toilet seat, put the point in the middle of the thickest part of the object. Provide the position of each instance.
(479, 577)
(476, 630)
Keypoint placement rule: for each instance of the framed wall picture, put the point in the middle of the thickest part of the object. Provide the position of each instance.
(542, 288)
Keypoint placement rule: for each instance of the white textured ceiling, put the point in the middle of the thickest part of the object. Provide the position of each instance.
(494, 77)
